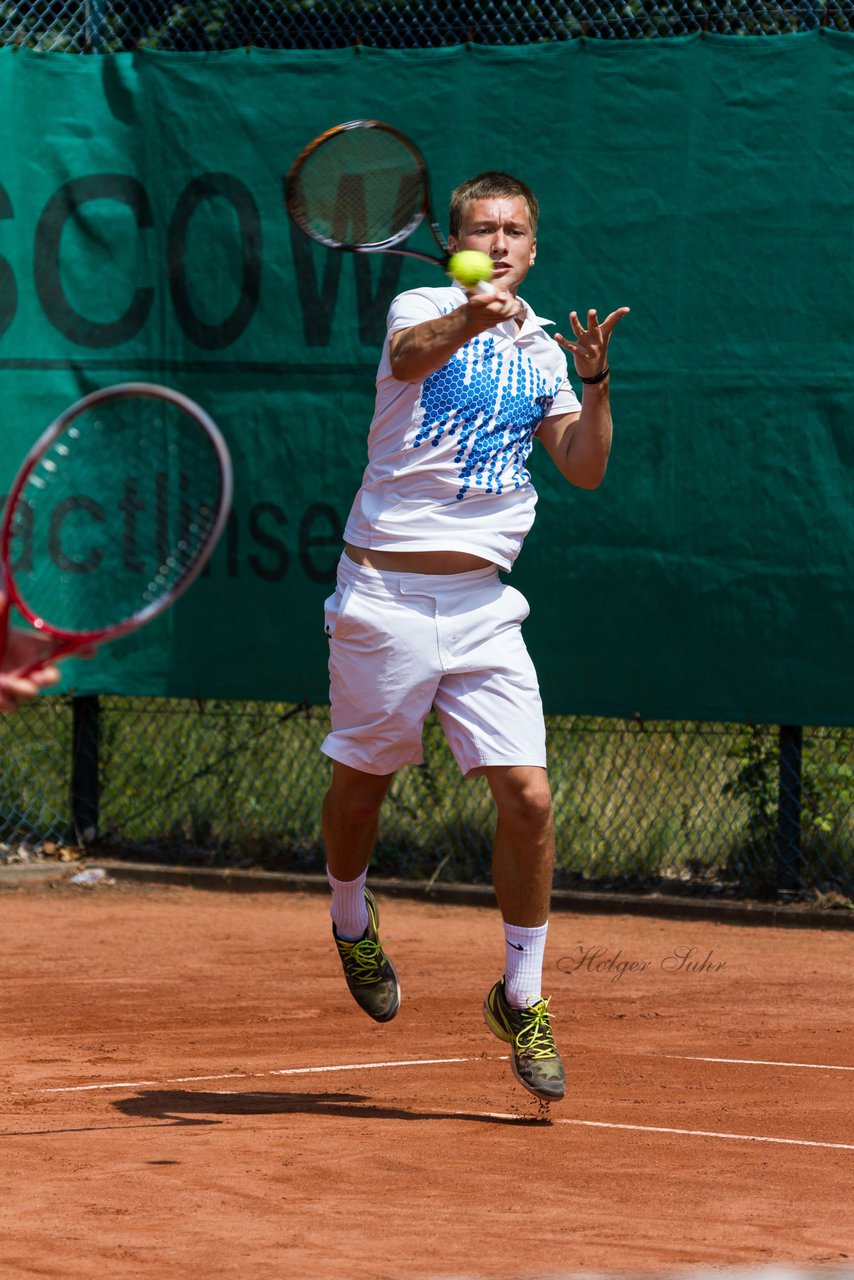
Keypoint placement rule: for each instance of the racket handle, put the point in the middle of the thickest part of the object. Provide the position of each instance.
(42, 655)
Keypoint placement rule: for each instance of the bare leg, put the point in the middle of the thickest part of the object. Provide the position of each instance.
(523, 852)
(351, 812)
(523, 865)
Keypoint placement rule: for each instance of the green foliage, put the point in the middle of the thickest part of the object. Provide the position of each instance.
(752, 858)
(826, 815)
(114, 25)
(677, 806)
(829, 794)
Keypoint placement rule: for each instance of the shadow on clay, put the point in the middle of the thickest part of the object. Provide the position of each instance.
(188, 1107)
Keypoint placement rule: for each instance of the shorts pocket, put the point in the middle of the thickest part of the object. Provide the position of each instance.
(334, 607)
(514, 606)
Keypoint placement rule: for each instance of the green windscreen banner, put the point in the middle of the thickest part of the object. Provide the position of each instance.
(707, 183)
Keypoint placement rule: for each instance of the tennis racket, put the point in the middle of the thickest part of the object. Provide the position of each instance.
(363, 187)
(113, 513)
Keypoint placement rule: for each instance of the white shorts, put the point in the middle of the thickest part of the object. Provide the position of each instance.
(400, 643)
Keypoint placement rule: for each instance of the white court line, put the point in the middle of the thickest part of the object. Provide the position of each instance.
(755, 1062)
(256, 1075)
(705, 1133)
(429, 1061)
(119, 1084)
(651, 1128)
(595, 1124)
(418, 1062)
(488, 1115)
(367, 1066)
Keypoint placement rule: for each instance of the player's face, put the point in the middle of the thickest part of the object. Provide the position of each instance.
(500, 227)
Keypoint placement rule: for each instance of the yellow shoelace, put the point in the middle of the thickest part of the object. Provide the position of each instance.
(536, 1039)
(361, 960)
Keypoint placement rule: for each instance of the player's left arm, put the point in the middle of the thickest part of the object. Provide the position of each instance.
(579, 444)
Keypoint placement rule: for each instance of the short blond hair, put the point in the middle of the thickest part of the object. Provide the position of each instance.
(489, 186)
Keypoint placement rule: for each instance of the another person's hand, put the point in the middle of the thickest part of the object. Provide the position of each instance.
(19, 649)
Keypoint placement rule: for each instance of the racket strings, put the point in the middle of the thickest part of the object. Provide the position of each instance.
(358, 187)
(179, 542)
(114, 516)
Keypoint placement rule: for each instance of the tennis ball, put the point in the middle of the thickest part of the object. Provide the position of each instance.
(470, 266)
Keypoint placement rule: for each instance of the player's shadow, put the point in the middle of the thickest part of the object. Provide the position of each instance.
(188, 1107)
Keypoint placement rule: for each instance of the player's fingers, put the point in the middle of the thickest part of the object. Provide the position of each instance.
(592, 320)
(610, 321)
(496, 301)
(577, 326)
(44, 677)
(15, 688)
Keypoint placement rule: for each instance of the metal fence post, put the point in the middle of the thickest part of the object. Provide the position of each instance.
(94, 30)
(85, 773)
(791, 742)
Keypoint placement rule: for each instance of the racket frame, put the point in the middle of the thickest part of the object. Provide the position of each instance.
(390, 245)
(67, 640)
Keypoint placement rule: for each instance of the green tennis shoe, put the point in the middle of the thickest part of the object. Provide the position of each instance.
(535, 1060)
(370, 974)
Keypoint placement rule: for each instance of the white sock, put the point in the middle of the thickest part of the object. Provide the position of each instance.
(523, 964)
(349, 911)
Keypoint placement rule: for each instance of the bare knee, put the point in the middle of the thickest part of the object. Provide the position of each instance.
(532, 806)
(523, 797)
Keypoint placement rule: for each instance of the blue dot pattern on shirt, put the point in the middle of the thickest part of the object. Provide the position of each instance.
(490, 402)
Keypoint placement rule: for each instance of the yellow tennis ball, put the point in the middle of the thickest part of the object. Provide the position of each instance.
(470, 266)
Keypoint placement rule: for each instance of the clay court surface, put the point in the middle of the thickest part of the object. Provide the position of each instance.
(189, 1092)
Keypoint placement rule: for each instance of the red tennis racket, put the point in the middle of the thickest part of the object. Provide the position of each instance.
(113, 514)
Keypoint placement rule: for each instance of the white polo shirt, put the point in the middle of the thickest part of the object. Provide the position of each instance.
(447, 456)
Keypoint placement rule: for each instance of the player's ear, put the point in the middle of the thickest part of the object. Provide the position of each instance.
(453, 244)
(533, 252)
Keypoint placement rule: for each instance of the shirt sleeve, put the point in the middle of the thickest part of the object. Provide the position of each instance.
(413, 307)
(565, 401)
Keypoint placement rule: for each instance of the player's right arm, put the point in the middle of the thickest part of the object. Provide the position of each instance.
(423, 348)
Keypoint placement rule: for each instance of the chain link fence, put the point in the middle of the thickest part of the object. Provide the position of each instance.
(99, 26)
(681, 807)
(717, 809)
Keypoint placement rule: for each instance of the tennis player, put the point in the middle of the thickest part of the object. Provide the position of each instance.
(421, 618)
(18, 650)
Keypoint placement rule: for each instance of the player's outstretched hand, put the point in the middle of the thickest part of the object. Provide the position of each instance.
(590, 346)
(18, 651)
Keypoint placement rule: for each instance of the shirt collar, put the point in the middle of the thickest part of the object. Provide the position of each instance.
(532, 318)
